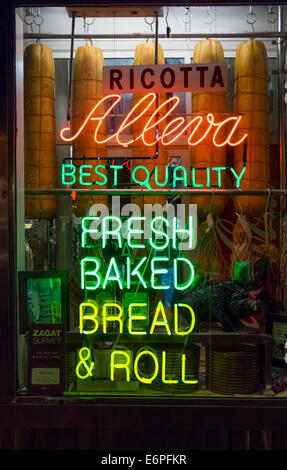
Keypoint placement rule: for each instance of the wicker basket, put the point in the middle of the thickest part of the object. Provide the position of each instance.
(232, 369)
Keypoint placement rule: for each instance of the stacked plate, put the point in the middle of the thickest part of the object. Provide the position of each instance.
(279, 339)
(232, 369)
(173, 370)
(70, 376)
(280, 332)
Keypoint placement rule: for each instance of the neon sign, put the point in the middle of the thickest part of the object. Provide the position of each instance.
(155, 271)
(175, 232)
(200, 127)
(90, 314)
(120, 359)
(72, 174)
(92, 277)
(92, 280)
(134, 317)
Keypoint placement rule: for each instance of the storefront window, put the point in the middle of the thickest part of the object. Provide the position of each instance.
(149, 262)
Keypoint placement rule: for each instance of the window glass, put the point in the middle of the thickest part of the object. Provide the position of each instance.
(142, 268)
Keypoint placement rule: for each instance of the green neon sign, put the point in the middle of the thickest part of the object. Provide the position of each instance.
(149, 273)
(142, 176)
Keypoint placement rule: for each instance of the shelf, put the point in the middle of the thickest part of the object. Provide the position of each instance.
(114, 12)
(215, 337)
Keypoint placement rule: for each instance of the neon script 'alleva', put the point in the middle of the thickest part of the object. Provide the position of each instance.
(200, 126)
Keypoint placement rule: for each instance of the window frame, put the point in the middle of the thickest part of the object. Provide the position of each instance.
(223, 413)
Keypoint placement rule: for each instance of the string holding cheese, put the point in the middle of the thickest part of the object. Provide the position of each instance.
(206, 154)
(87, 92)
(251, 100)
(207, 257)
(268, 249)
(39, 130)
(145, 55)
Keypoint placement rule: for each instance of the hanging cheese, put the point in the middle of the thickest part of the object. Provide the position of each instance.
(39, 130)
(87, 92)
(251, 75)
(206, 154)
(145, 55)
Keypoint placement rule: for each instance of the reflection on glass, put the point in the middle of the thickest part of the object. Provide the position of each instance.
(44, 300)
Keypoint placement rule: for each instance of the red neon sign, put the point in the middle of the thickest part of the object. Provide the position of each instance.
(175, 127)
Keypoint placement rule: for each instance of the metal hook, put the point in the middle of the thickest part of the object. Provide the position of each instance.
(208, 17)
(86, 26)
(38, 21)
(166, 15)
(168, 29)
(89, 23)
(150, 24)
(186, 14)
(271, 16)
(29, 18)
(251, 18)
(187, 19)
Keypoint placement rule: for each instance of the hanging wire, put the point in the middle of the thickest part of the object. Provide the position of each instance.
(87, 25)
(267, 201)
(34, 11)
(285, 92)
(251, 17)
(114, 30)
(168, 29)
(187, 25)
(187, 20)
(208, 17)
(211, 202)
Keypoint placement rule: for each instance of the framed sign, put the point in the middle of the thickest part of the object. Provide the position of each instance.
(207, 77)
(43, 298)
(46, 359)
(43, 308)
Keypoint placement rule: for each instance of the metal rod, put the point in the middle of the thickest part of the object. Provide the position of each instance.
(49, 243)
(155, 192)
(281, 47)
(69, 116)
(281, 107)
(156, 38)
(280, 97)
(72, 159)
(267, 35)
(156, 62)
